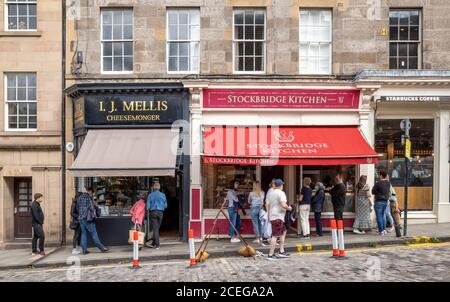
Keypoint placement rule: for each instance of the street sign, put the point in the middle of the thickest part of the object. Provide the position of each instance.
(408, 148)
(405, 125)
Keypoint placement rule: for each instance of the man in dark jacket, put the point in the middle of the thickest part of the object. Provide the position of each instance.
(338, 193)
(75, 226)
(382, 192)
(37, 220)
(317, 207)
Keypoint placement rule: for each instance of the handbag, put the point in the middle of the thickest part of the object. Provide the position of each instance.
(73, 224)
(141, 236)
(91, 214)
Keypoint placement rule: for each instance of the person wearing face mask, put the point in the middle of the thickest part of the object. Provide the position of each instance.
(233, 211)
(37, 216)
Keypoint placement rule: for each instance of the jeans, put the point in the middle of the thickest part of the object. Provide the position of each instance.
(389, 218)
(338, 210)
(89, 227)
(38, 233)
(257, 225)
(156, 220)
(380, 212)
(304, 218)
(318, 219)
(235, 219)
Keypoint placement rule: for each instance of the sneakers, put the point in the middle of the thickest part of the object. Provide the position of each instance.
(256, 241)
(382, 233)
(105, 250)
(42, 253)
(272, 258)
(85, 252)
(75, 252)
(283, 255)
(306, 237)
(356, 231)
(390, 229)
(235, 240)
(34, 253)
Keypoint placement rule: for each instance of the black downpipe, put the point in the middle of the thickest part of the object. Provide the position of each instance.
(63, 127)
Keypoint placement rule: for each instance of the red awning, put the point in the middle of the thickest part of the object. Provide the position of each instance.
(286, 146)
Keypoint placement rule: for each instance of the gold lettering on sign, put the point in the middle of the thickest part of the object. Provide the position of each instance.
(113, 108)
(101, 106)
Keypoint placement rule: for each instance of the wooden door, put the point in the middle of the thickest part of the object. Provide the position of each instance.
(22, 208)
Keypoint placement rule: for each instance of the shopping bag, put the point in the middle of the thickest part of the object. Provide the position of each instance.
(141, 236)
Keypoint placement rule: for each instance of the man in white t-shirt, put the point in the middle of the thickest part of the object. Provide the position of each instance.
(276, 204)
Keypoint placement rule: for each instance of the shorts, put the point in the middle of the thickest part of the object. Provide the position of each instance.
(278, 227)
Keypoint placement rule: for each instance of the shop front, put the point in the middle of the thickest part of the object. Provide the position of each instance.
(251, 135)
(126, 138)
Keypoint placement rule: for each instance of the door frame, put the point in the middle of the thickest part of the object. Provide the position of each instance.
(16, 188)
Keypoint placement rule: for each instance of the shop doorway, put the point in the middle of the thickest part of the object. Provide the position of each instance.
(22, 208)
(270, 172)
(170, 186)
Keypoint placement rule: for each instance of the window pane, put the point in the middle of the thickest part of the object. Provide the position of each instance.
(117, 64)
(128, 48)
(173, 32)
(107, 32)
(184, 63)
(107, 64)
(32, 124)
(117, 49)
(238, 18)
(414, 18)
(325, 50)
(393, 63)
(32, 23)
(107, 49)
(12, 122)
(173, 49)
(249, 49)
(107, 17)
(402, 63)
(117, 17)
(314, 17)
(128, 63)
(12, 23)
(32, 9)
(403, 49)
(413, 63)
(23, 109)
(183, 32)
(249, 66)
(393, 49)
(173, 17)
(249, 17)
(12, 9)
(194, 17)
(404, 33)
(259, 64)
(21, 94)
(404, 18)
(22, 9)
(240, 48)
(183, 49)
(258, 48)
(240, 63)
(183, 18)
(259, 18)
(32, 108)
(393, 33)
(414, 34)
(259, 32)
(195, 33)
(23, 24)
(22, 80)
(117, 32)
(393, 18)
(11, 80)
(413, 49)
(31, 80)
(128, 32)
(11, 94)
(12, 108)
(128, 17)
(249, 34)
(173, 66)
(239, 32)
(23, 123)
(31, 94)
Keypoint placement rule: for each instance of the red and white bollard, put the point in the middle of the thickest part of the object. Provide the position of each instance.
(340, 225)
(192, 261)
(136, 249)
(334, 237)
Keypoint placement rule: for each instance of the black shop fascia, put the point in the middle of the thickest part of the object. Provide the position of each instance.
(127, 137)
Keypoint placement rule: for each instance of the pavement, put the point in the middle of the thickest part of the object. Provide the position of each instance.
(393, 263)
(61, 256)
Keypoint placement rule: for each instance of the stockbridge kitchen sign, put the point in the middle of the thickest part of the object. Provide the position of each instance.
(281, 98)
(129, 109)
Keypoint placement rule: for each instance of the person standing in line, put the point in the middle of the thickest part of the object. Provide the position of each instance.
(87, 213)
(305, 206)
(277, 206)
(156, 204)
(393, 204)
(233, 211)
(363, 207)
(75, 226)
(338, 193)
(390, 223)
(382, 192)
(256, 201)
(317, 206)
(37, 222)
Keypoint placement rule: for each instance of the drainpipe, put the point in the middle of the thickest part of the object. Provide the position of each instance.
(63, 127)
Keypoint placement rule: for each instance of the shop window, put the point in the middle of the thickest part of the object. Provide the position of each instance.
(249, 41)
(404, 39)
(420, 168)
(218, 179)
(315, 41)
(20, 15)
(183, 40)
(21, 103)
(117, 40)
(326, 175)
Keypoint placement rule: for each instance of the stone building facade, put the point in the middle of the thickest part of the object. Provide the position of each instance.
(30, 117)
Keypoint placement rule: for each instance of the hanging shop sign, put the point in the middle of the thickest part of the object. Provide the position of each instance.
(281, 98)
(412, 98)
(132, 109)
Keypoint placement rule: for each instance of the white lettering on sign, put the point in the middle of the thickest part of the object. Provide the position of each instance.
(413, 98)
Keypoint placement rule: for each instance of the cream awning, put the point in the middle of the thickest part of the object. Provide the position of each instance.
(127, 152)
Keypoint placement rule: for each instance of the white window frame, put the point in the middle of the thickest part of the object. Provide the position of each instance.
(264, 41)
(6, 113)
(168, 41)
(330, 43)
(112, 40)
(418, 42)
(6, 19)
